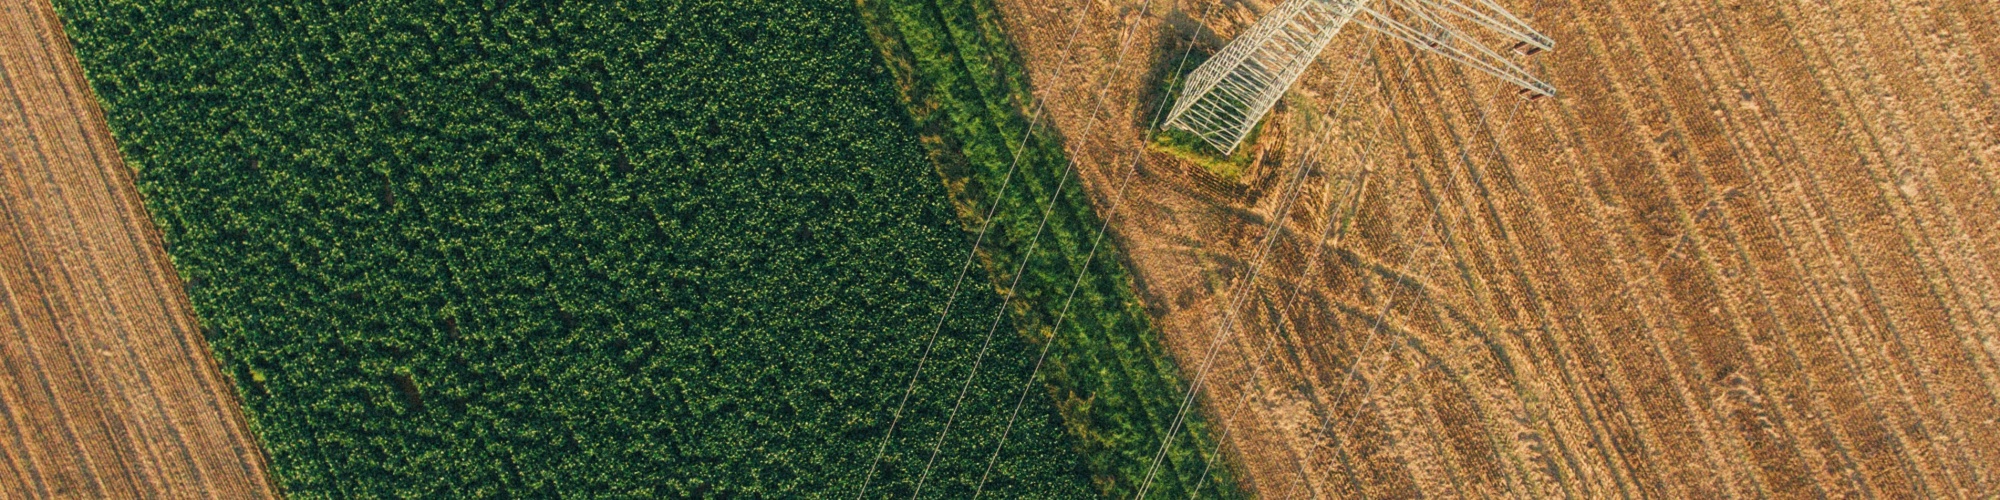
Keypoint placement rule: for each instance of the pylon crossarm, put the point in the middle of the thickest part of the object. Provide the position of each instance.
(1229, 93)
(1443, 40)
(1490, 16)
(1226, 97)
(1231, 56)
(1496, 10)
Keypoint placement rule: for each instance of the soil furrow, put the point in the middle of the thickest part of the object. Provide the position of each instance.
(1962, 87)
(1909, 119)
(1839, 237)
(1757, 319)
(1489, 366)
(1724, 166)
(1917, 309)
(1604, 392)
(1529, 273)
(1837, 288)
(1651, 221)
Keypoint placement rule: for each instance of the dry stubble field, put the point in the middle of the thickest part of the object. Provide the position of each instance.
(107, 389)
(1751, 251)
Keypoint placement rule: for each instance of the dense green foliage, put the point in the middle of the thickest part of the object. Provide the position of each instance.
(1115, 386)
(620, 248)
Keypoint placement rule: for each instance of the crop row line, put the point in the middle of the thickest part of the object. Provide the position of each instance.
(1867, 149)
(1774, 456)
(1793, 383)
(1760, 179)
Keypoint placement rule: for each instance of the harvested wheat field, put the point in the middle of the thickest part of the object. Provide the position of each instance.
(107, 389)
(1751, 250)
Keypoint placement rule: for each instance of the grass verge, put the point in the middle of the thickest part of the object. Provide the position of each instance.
(1115, 388)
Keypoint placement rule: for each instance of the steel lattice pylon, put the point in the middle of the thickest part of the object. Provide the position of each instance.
(1227, 95)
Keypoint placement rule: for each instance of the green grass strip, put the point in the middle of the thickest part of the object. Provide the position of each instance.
(1116, 388)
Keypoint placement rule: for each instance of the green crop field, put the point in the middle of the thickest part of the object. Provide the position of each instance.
(477, 249)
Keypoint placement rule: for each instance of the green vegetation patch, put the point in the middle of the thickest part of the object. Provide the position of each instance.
(1187, 146)
(673, 249)
(1116, 386)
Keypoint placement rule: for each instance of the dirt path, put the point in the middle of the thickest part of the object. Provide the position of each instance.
(1753, 250)
(107, 389)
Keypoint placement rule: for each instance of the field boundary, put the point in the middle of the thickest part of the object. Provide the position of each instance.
(961, 81)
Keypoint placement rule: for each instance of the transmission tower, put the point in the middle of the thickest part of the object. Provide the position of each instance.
(1227, 95)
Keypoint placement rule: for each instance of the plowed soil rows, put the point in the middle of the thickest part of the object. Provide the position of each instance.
(1753, 249)
(107, 389)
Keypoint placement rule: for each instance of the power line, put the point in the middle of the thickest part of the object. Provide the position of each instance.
(1208, 459)
(1319, 250)
(931, 342)
(1224, 330)
(1117, 201)
(1055, 198)
(1287, 17)
(1273, 233)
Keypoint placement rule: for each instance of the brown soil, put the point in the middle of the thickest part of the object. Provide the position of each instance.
(1751, 251)
(107, 389)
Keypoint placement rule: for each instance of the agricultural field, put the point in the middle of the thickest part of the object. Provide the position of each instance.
(1751, 250)
(699, 249)
(655, 249)
(106, 390)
